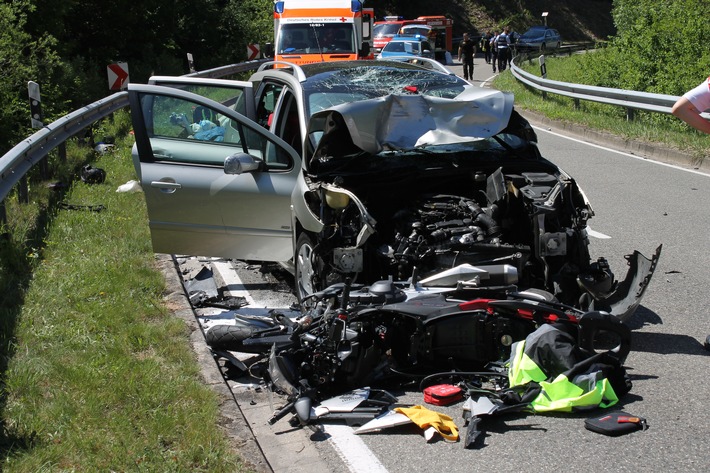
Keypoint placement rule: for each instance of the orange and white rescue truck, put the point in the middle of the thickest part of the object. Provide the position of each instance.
(307, 31)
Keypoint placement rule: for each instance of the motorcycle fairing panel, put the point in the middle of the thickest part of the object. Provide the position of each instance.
(397, 202)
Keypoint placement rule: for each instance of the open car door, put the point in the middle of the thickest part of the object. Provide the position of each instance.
(196, 204)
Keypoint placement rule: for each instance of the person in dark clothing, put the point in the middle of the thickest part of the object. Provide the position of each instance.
(485, 46)
(494, 49)
(467, 49)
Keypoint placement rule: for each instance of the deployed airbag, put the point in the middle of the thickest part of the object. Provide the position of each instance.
(397, 122)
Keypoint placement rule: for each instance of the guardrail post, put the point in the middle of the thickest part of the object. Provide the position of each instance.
(62, 150)
(629, 114)
(3, 215)
(23, 194)
(543, 72)
(576, 104)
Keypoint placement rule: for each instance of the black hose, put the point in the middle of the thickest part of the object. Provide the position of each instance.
(483, 374)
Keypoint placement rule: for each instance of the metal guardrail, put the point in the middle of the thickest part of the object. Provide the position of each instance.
(623, 98)
(15, 163)
(20, 159)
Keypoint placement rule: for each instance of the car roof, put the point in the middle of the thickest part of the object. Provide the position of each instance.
(409, 38)
(539, 28)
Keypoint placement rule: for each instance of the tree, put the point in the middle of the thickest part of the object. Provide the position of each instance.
(23, 58)
(660, 47)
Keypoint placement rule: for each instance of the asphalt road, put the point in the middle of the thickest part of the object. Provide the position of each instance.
(639, 204)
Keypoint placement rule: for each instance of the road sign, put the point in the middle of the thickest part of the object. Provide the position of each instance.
(252, 52)
(35, 104)
(543, 67)
(117, 76)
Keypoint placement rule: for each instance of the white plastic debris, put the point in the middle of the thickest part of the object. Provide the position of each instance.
(103, 148)
(130, 186)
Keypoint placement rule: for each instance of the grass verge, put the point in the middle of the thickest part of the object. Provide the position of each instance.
(98, 375)
(664, 130)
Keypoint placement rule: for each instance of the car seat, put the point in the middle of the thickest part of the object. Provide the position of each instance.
(203, 113)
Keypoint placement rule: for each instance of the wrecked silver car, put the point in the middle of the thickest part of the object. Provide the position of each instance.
(369, 171)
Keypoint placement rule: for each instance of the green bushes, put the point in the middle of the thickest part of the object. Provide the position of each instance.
(661, 47)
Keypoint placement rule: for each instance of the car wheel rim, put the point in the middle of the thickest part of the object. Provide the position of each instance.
(304, 270)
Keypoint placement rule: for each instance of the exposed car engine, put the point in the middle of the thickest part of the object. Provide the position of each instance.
(526, 229)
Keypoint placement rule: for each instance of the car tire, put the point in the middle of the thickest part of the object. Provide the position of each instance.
(307, 265)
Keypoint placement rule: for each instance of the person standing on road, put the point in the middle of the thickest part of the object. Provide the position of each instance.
(494, 49)
(467, 49)
(689, 107)
(503, 45)
(513, 37)
(486, 46)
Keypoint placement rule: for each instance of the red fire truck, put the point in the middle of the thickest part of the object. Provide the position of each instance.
(441, 27)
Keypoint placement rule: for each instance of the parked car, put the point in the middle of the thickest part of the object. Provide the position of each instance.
(424, 31)
(367, 170)
(407, 45)
(539, 38)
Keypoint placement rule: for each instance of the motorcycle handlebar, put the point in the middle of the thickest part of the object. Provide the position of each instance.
(333, 290)
(281, 413)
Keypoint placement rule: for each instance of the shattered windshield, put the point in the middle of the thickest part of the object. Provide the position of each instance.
(356, 83)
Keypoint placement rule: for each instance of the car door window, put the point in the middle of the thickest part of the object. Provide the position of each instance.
(237, 95)
(177, 124)
(267, 103)
(287, 123)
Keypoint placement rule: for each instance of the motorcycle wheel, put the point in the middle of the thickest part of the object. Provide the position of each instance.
(231, 338)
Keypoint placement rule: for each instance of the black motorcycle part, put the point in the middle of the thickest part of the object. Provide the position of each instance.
(380, 292)
(239, 338)
(594, 324)
(280, 414)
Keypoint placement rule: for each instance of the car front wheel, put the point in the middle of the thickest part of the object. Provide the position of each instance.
(307, 264)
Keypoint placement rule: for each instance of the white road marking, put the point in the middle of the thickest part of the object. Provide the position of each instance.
(352, 450)
(235, 285)
(596, 234)
(648, 160)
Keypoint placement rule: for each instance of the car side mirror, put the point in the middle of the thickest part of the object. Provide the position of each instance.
(240, 163)
(365, 49)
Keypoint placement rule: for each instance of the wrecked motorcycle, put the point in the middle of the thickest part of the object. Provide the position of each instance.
(369, 336)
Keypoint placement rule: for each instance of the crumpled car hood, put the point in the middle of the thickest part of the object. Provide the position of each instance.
(401, 122)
